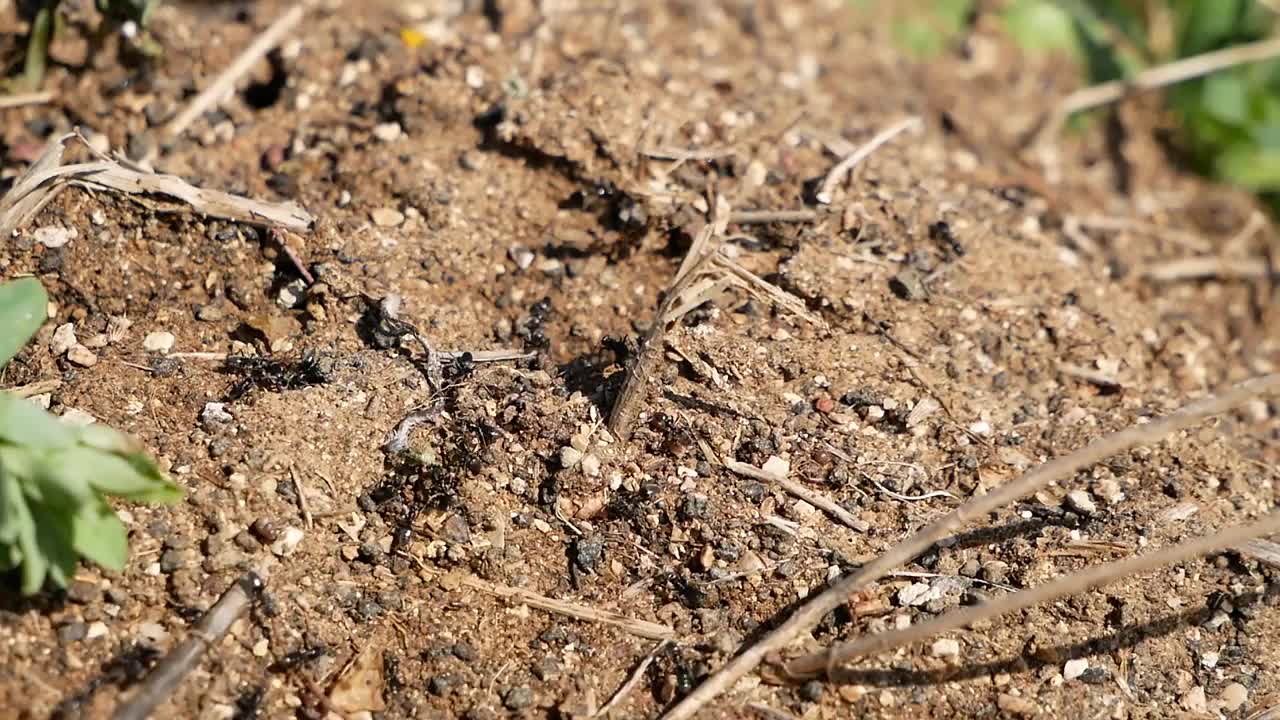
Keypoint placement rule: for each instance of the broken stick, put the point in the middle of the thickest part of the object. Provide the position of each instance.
(164, 678)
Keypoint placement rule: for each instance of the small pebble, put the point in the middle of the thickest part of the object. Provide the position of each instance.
(82, 592)
(214, 415)
(158, 342)
(82, 356)
(1233, 696)
(387, 132)
(946, 647)
(517, 698)
(1080, 502)
(1016, 705)
(569, 456)
(1195, 701)
(72, 632)
(591, 465)
(387, 217)
(1074, 668)
(288, 542)
(265, 529)
(522, 256)
(64, 338)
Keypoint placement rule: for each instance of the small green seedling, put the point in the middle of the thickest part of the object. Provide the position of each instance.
(128, 15)
(55, 477)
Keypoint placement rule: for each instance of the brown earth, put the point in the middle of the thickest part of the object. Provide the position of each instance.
(519, 171)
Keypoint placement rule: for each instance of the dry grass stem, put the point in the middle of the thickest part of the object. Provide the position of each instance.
(1157, 77)
(38, 387)
(842, 168)
(639, 628)
(1187, 239)
(1094, 377)
(48, 176)
(224, 84)
(1263, 551)
(207, 633)
(762, 217)
(33, 98)
(633, 681)
(794, 488)
(1219, 268)
(817, 664)
(809, 614)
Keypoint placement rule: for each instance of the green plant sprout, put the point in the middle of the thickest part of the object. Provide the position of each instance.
(55, 477)
(129, 15)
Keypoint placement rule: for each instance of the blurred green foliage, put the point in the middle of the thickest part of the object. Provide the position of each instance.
(55, 477)
(1230, 120)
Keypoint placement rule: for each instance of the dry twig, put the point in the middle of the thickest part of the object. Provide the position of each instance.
(1168, 74)
(243, 63)
(48, 176)
(794, 488)
(842, 168)
(637, 676)
(817, 664)
(808, 615)
(761, 217)
(180, 661)
(34, 98)
(639, 628)
(1221, 268)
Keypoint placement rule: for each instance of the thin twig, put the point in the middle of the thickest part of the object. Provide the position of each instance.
(19, 100)
(794, 488)
(809, 614)
(842, 168)
(38, 387)
(1094, 377)
(769, 713)
(761, 217)
(1168, 74)
(816, 664)
(640, 628)
(164, 678)
(1185, 238)
(223, 84)
(303, 506)
(1198, 268)
(637, 676)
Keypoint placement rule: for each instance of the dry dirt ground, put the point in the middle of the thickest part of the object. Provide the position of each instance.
(531, 181)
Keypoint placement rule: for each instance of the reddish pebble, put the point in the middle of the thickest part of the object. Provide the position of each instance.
(824, 404)
(273, 158)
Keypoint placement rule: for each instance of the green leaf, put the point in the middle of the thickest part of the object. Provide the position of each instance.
(100, 436)
(1250, 166)
(1040, 25)
(97, 534)
(23, 307)
(133, 477)
(51, 482)
(22, 422)
(34, 564)
(1226, 97)
(53, 535)
(13, 508)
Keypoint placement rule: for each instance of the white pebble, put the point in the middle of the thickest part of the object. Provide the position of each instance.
(82, 356)
(1074, 668)
(288, 542)
(387, 217)
(387, 132)
(946, 647)
(64, 338)
(475, 77)
(570, 456)
(1079, 501)
(590, 465)
(160, 341)
(53, 237)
